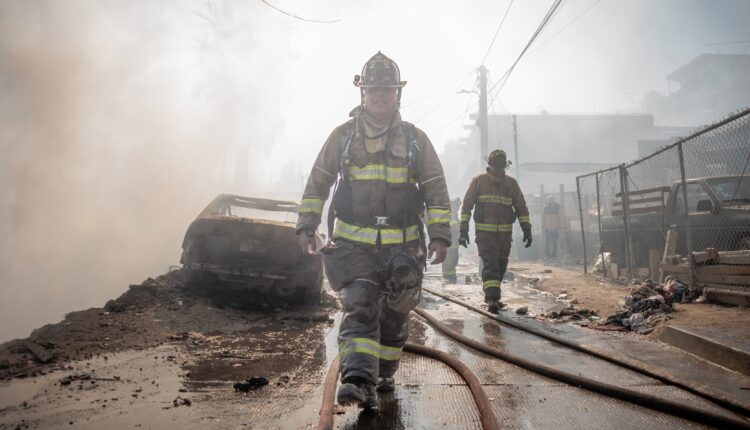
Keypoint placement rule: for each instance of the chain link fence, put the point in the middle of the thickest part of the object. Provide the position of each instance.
(682, 211)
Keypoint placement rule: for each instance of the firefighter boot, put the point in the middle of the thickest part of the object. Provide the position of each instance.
(492, 298)
(493, 306)
(386, 384)
(357, 391)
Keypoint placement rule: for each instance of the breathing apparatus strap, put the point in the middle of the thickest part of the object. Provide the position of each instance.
(347, 135)
(411, 156)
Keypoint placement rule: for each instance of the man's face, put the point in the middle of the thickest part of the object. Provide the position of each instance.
(380, 102)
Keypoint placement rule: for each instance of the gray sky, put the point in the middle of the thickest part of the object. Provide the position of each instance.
(116, 117)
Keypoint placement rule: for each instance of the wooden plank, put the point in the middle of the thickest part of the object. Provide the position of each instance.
(710, 254)
(653, 263)
(740, 289)
(636, 211)
(670, 246)
(725, 279)
(646, 191)
(706, 270)
(722, 257)
(658, 199)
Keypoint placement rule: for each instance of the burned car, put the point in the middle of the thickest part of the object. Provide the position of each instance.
(247, 247)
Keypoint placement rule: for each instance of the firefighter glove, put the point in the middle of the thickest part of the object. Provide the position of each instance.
(527, 237)
(463, 239)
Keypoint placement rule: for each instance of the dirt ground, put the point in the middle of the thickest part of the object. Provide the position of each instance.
(152, 313)
(584, 291)
(603, 296)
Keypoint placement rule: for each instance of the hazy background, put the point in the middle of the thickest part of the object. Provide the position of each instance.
(120, 120)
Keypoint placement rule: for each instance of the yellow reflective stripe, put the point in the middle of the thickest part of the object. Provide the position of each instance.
(368, 346)
(465, 217)
(453, 222)
(356, 233)
(369, 235)
(524, 219)
(495, 199)
(491, 283)
(493, 227)
(438, 215)
(449, 273)
(311, 205)
(380, 172)
(391, 236)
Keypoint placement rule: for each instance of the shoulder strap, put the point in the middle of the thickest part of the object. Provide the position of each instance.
(412, 144)
(347, 135)
(412, 147)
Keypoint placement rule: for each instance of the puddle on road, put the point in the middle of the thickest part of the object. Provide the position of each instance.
(267, 352)
(100, 391)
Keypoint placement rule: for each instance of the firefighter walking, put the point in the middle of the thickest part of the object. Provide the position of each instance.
(386, 171)
(497, 201)
(451, 260)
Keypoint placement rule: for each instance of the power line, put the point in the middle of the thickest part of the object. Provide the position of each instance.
(565, 26)
(435, 108)
(449, 123)
(319, 21)
(539, 29)
(504, 78)
(489, 48)
(438, 91)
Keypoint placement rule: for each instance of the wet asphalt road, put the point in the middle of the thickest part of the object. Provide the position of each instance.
(147, 389)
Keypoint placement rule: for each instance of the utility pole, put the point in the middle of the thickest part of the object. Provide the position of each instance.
(483, 126)
(515, 149)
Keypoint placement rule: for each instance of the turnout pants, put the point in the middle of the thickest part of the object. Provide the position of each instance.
(494, 248)
(450, 264)
(372, 334)
(550, 243)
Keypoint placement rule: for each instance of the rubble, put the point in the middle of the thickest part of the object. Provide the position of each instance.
(523, 310)
(648, 304)
(76, 377)
(180, 401)
(40, 351)
(571, 314)
(250, 384)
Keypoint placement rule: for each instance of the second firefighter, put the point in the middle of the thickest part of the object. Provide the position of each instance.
(497, 202)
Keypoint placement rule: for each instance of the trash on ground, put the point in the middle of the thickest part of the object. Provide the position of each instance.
(571, 314)
(250, 384)
(648, 304)
(180, 401)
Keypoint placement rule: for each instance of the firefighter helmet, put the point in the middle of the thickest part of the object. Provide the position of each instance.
(498, 159)
(379, 71)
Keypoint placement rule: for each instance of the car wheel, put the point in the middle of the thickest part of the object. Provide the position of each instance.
(315, 292)
(195, 280)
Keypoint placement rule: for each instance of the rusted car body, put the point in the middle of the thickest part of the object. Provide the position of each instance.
(248, 246)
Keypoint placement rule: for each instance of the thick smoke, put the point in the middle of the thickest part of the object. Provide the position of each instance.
(116, 123)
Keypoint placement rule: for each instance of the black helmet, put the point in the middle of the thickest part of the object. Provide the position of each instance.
(498, 159)
(379, 71)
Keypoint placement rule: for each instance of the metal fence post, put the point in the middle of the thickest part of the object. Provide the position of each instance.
(599, 222)
(626, 219)
(688, 229)
(583, 232)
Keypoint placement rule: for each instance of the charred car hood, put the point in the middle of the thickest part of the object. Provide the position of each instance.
(233, 241)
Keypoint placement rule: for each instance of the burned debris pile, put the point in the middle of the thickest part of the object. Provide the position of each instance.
(648, 304)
